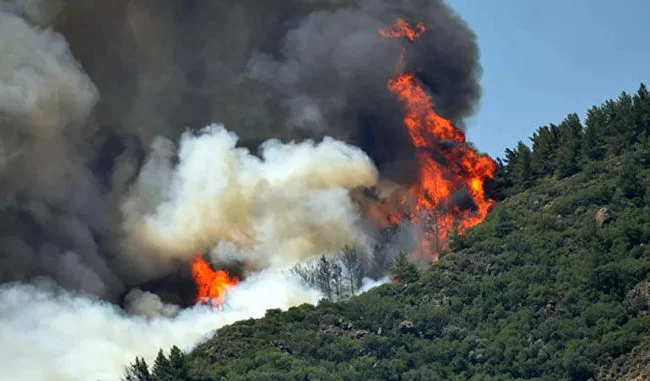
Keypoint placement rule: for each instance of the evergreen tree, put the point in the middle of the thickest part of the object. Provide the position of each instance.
(593, 142)
(137, 371)
(324, 277)
(545, 146)
(161, 370)
(620, 130)
(641, 111)
(625, 120)
(568, 155)
(456, 240)
(178, 367)
(403, 270)
(519, 166)
(337, 280)
(498, 189)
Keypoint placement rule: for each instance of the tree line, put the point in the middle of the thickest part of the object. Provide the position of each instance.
(564, 149)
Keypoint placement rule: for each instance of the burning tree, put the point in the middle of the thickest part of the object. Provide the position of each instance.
(449, 167)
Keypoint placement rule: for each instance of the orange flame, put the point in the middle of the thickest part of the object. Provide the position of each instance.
(211, 285)
(402, 29)
(456, 165)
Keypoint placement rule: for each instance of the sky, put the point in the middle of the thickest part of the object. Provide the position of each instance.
(544, 59)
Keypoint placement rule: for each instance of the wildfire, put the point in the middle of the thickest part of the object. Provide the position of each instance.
(211, 285)
(447, 163)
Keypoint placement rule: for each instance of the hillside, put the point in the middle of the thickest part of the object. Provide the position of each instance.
(553, 285)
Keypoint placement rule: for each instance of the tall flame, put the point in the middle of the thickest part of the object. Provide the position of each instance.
(211, 285)
(447, 163)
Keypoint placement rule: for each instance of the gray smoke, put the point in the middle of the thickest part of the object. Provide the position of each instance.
(87, 86)
(272, 69)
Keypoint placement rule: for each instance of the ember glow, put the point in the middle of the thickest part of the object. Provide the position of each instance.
(448, 165)
(211, 285)
(402, 29)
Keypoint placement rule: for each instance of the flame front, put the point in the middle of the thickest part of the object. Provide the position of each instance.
(447, 163)
(211, 285)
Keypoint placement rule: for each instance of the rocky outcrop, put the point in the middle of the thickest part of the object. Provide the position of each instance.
(603, 216)
(341, 328)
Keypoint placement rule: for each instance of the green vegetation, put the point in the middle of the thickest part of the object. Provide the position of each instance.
(552, 286)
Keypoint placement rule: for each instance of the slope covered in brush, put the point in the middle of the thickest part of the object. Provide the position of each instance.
(553, 285)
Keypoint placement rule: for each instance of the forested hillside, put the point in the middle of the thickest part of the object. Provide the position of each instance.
(553, 285)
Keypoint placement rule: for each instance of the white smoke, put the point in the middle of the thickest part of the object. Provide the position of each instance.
(55, 335)
(369, 283)
(290, 203)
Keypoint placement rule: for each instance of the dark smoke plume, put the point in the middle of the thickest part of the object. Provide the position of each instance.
(287, 69)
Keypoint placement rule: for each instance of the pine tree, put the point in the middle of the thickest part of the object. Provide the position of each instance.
(620, 132)
(641, 111)
(568, 154)
(178, 367)
(593, 142)
(500, 188)
(545, 146)
(324, 277)
(403, 270)
(337, 280)
(519, 167)
(161, 370)
(456, 240)
(138, 371)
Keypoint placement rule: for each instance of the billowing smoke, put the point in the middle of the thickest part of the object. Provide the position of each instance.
(269, 211)
(62, 336)
(53, 215)
(110, 181)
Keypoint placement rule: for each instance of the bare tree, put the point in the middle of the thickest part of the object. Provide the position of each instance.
(306, 273)
(382, 257)
(337, 277)
(353, 268)
(323, 277)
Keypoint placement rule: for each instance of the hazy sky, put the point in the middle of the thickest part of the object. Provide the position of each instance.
(544, 59)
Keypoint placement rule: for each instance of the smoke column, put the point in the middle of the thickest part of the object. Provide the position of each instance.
(110, 180)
